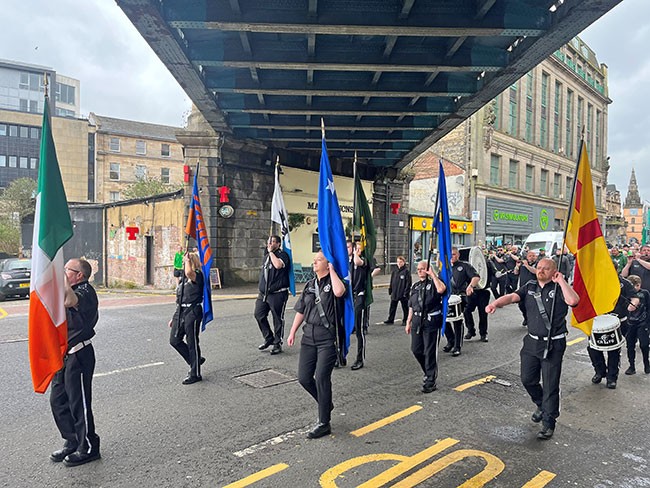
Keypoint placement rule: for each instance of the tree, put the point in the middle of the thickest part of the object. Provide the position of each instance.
(146, 187)
(17, 199)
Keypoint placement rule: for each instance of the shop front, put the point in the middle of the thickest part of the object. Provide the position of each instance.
(512, 221)
(421, 232)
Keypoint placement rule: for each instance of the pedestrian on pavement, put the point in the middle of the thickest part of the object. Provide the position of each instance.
(186, 322)
(316, 310)
(71, 392)
(399, 290)
(638, 325)
(273, 294)
(547, 303)
(178, 264)
(359, 279)
(609, 369)
(425, 321)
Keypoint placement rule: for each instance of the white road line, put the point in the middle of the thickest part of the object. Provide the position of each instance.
(9, 341)
(132, 368)
(271, 442)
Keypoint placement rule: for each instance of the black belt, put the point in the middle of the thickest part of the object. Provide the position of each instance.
(545, 338)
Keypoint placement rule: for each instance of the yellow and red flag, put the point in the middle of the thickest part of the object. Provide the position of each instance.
(595, 279)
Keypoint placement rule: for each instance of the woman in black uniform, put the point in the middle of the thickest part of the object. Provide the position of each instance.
(316, 309)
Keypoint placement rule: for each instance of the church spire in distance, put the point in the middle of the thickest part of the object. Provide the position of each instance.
(632, 199)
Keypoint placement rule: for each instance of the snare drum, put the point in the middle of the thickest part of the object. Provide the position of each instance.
(455, 310)
(606, 333)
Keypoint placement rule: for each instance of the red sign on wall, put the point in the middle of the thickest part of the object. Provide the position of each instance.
(131, 233)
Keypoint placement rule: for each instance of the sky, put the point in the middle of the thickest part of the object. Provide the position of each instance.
(94, 42)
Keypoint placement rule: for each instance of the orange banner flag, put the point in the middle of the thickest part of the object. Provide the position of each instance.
(595, 279)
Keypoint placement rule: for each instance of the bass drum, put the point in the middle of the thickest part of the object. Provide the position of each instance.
(474, 256)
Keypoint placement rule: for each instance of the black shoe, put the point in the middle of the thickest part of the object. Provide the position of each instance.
(58, 456)
(202, 360)
(484, 338)
(596, 379)
(469, 335)
(611, 384)
(524, 323)
(646, 369)
(343, 362)
(357, 365)
(630, 371)
(277, 349)
(336, 363)
(388, 322)
(429, 388)
(78, 458)
(319, 431)
(455, 352)
(447, 348)
(264, 346)
(537, 415)
(191, 380)
(545, 433)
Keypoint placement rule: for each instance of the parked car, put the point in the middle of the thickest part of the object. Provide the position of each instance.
(14, 277)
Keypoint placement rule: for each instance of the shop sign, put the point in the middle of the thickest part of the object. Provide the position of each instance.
(456, 226)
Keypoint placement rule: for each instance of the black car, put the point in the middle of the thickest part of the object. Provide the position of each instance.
(14, 277)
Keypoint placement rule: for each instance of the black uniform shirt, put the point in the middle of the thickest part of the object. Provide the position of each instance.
(400, 283)
(510, 262)
(306, 304)
(524, 274)
(640, 315)
(462, 273)
(424, 294)
(359, 275)
(83, 318)
(536, 325)
(192, 291)
(277, 279)
(627, 292)
(641, 272)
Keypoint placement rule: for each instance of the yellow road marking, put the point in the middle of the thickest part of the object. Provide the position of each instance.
(480, 381)
(385, 421)
(541, 480)
(575, 341)
(260, 475)
(3, 313)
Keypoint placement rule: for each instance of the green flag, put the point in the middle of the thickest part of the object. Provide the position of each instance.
(363, 221)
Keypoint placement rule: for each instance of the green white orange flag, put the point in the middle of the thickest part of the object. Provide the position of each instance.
(48, 329)
(595, 279)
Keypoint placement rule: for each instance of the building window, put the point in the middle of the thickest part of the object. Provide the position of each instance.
(33, 133)
(165, 152)
(33, 106)
(597, 142)
(114, 144)
(140, 171)
(24, 132)
(543, 182)
(3, 130)
(23, 84)
(3, 161)
(569, 124)
(13, 161)
(65, 93)
(569, 188)
(512, 127)
(23, 104)
(495, 167)
(164, 176)
(23, 162)
(599, 196)
(633, 220)
(114, 171)
(513, 174)
(529, 178)
(32, 163)
(633, 229)
(140, 147)
(114, 196)
(528, 136)
(13, 131)
(590, 113)
(556, 117)
(557, 183)
(581, 114)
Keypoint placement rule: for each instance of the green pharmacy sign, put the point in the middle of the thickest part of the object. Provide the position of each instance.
(509, 216)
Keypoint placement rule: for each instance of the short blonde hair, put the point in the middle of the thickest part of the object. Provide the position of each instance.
(634, 279)
(194, 259)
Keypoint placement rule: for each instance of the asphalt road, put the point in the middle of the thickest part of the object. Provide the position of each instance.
(156, 432)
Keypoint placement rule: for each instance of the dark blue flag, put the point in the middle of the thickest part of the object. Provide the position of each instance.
(196, 228)
(443, 230)
(332, 237)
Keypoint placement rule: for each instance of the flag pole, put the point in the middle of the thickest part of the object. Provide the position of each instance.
(277, 171)
(354, 194)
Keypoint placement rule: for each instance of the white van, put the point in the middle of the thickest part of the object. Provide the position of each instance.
(550, 241)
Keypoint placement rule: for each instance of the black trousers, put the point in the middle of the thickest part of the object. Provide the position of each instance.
(547, 395)
(315, 365)
(607, 369)
(360, 327)
(637, 332)
(275, 303)
(424, 346)
(392, 309)
(188, 329)
(499, 286)
(71, 401)
(479, 299)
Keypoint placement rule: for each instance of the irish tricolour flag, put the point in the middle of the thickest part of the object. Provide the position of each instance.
(48, 329)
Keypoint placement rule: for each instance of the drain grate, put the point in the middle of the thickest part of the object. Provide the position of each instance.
(265, 378)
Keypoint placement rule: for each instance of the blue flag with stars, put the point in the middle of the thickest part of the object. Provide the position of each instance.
(443, 230)
(332, 237)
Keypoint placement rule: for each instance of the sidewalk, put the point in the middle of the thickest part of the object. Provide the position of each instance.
(241, 292)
